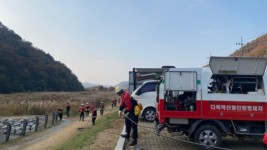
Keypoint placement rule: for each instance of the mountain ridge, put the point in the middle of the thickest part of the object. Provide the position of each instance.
(24, 68)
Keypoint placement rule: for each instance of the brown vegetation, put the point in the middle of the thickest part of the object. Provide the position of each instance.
(256, 48)
(40, 103)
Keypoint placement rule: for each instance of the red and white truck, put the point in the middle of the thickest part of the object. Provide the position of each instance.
(227, 97)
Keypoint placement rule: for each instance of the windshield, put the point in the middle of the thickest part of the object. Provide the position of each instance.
(148, 87)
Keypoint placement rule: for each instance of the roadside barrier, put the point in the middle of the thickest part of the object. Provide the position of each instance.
(13, 128)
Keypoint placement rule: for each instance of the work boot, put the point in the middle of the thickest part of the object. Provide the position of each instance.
(125, 136)
(134, 143)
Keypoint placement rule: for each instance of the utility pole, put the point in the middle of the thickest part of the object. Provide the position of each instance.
(241, 44)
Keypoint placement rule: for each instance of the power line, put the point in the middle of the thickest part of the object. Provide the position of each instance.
(230, 48)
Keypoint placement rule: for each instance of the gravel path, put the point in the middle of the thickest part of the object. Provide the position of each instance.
(57, 135)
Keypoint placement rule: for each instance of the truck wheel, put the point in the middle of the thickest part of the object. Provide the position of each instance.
(149, 114)
(208, 135)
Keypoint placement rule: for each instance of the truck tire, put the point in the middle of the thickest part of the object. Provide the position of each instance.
(149, 114)
(208, 135)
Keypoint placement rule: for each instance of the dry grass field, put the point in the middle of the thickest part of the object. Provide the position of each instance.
(41, 103)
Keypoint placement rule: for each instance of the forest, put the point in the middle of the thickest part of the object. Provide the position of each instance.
(24, 68)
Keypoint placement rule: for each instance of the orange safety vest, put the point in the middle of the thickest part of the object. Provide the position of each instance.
(81, 109)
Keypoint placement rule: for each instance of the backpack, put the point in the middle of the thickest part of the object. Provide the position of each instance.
(137, 107)
(140, 106)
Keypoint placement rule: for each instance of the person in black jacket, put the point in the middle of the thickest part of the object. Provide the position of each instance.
(94, 114)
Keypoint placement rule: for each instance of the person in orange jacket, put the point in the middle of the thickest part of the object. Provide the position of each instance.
(126, 104)
(102, 107)
(60, 112)
(81, 111)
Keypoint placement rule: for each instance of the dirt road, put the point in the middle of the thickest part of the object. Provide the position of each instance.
(51, 138)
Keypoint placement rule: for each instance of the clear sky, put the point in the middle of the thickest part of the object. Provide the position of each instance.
(102, 40)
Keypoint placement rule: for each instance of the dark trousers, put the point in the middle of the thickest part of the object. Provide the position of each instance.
(87, 113)
(130, 125)
(101, 111)
(82, 116)
(68, 111)
(60, 116)
(93, 120)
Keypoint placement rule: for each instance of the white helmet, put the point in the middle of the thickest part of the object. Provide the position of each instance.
(118, 90)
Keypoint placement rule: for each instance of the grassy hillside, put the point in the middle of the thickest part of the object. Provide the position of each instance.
(24, 68)
(255, 48)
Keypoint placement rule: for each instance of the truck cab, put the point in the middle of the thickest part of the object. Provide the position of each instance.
(146, 95)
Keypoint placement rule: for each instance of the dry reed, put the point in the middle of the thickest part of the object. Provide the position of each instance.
(41, 103)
